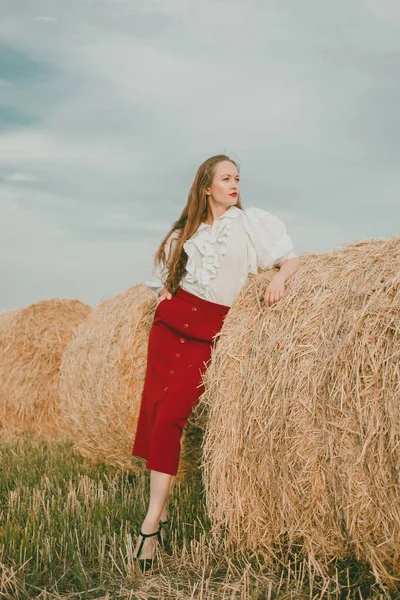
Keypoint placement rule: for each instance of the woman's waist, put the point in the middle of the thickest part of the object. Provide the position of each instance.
(201, 302)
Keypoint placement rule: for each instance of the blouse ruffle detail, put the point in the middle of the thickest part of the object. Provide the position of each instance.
(211, 242)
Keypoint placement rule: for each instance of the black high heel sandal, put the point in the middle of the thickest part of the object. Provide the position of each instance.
(163, 525)
(146, 563)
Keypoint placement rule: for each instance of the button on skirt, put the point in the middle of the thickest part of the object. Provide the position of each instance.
(179, 349)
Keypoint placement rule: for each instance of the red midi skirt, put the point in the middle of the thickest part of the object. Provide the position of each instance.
(179, 348)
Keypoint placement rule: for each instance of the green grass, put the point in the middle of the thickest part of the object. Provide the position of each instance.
(68, 529)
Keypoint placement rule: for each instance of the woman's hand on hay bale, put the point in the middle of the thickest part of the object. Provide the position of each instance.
(275, 289)
(164, 294)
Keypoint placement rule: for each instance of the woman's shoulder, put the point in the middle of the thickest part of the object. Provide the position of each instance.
(255, 216)
(172, 241)
(256, 211)
(174, 235)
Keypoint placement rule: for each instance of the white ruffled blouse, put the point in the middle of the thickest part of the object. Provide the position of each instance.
(222, 255)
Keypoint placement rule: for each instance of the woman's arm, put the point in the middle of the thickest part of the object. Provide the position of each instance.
(276, 287)
(164, 293)
(160, 270)
(288, 267)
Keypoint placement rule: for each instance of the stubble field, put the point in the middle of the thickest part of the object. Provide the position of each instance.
(68, 530)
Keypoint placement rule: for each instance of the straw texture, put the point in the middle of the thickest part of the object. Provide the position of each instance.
(102, 379)
(32, 341)
(301, 449)
(5, 318)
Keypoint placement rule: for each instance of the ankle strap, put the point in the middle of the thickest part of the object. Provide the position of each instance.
(145, 535)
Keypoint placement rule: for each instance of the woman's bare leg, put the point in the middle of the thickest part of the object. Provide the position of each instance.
(164, 514)
(160, 484)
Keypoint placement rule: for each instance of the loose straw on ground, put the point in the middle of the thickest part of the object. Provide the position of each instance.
(301, 412)
(32, 340)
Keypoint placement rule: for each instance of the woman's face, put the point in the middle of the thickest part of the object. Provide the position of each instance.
(225, 183)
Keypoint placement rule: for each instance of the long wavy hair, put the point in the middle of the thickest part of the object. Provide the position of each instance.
(194, 213)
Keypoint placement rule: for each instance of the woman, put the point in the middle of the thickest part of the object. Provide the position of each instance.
(200, 268)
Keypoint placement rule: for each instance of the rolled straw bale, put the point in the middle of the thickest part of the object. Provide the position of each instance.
(5, 318)
(301, 448)
(102, 378)
(31, 346)
(364, 409)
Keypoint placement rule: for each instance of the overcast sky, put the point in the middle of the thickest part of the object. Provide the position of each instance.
(108, 107)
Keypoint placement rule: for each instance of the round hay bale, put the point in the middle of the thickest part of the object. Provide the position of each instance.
(301, 448)
(364, 418)
(5, 318)
(32, 341)
(102, 378)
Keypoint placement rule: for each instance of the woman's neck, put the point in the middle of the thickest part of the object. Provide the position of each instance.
(214, 212)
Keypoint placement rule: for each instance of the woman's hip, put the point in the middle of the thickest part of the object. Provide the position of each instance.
(190, 317)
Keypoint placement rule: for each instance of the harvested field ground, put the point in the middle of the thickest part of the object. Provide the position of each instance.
(68, 529)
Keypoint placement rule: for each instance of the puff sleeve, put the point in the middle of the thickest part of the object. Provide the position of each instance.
(159, 272)
(270, 242)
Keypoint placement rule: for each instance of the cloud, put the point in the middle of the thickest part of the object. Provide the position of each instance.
(46, 19)
(30, 147)
(126, 100)
(21, 178)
